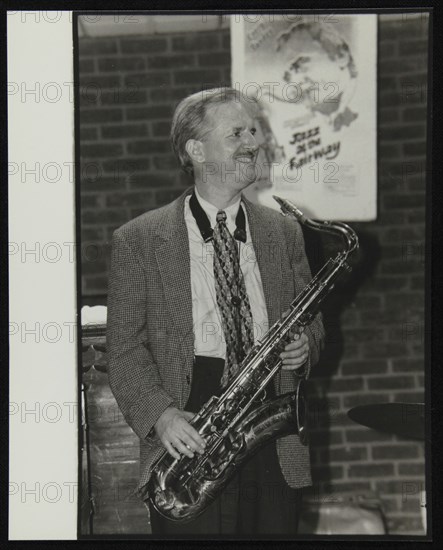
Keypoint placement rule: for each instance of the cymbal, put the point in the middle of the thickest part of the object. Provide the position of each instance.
(402, 419)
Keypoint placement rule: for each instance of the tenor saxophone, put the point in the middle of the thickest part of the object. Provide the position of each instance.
(236, 424)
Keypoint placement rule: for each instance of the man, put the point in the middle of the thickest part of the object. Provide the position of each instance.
(177, 330)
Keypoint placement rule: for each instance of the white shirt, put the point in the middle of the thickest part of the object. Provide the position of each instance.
(208, 329)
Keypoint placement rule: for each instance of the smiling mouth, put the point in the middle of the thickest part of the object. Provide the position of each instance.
(246, 158)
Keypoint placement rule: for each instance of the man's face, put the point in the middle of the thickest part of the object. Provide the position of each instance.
(229, 146)
(317, 76)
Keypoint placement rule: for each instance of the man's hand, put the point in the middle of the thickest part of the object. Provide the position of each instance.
(296, 353)
(177, 435)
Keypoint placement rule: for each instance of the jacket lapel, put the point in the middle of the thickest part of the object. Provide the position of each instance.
(175, 270)
(264, 236)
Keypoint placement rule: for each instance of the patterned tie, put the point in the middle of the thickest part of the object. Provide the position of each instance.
(232, 299)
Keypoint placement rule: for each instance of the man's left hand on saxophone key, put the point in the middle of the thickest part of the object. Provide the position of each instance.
(296, 352)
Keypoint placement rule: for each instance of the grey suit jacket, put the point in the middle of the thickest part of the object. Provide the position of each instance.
(150, 328)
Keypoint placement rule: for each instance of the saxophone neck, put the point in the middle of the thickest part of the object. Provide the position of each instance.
(337, 228)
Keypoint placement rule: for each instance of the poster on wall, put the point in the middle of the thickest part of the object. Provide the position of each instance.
(314, 77)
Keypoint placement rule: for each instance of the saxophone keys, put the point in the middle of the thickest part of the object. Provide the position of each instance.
(263, 396)
(164, 500)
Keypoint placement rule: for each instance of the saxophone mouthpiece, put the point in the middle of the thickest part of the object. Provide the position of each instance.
(280, 201)
(288, 207)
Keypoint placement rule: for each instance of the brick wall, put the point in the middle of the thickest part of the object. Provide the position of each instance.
(374, 321)
(129, 87)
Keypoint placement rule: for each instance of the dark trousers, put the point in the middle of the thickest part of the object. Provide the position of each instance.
(257, 500)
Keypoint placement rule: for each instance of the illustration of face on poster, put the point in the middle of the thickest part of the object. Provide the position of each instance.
(320, 75)
(314, 79)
